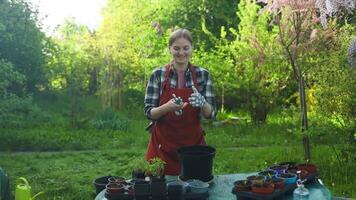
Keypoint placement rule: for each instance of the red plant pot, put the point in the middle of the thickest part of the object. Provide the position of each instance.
(303, 173)
(115, 188)
(265, 189)
(278, 183)
(242, 185)
(308, 167)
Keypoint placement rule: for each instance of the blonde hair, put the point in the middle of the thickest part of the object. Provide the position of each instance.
(180, 33)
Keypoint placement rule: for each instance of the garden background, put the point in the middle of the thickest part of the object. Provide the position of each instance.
(71, 104)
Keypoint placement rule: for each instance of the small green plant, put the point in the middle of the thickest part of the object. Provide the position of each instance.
(155, 167)
(259, 182)
(139, 165)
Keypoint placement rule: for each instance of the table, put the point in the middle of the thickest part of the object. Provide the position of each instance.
(222, 186)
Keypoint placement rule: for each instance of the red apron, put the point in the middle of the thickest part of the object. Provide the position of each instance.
(171, 131)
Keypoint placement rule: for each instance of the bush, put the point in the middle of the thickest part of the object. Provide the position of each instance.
(109, 119)
(21, 112)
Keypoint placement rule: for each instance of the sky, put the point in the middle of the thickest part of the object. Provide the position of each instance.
(53, 12)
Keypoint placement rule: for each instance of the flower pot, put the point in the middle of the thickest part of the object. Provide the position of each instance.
(196, 162)
(256, 178)
(100, 183)
(115, 188)
(278, 183)
(309, 167)
(142, 189)
(175, 191)
(278, 168)
(264, 189)
(289, 164)
(242, 185)
(303, 173)
(138, 174)
(288, 178)
(158, 188)
(116, 179)
(268, 174)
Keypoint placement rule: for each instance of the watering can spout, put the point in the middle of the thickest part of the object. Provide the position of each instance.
(36, 195)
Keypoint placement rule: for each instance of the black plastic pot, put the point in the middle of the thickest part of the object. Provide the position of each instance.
(175, 192)
(158, 188)
(196, 162)
(142, 189)
(138, 174)
(100, 183)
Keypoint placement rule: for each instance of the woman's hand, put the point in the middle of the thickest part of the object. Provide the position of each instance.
(196, 99)
(171, 105)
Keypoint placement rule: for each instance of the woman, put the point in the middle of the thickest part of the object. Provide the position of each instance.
(176, 95)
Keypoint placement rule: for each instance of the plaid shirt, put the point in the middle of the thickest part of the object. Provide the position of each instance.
(155, 84)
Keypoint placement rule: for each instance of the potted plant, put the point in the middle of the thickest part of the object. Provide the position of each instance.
(306, 166)
(139, 167)
(278, 183)
(289, 164)
(288, 178)
(278, 168)
(155, 170)
(269, 174)
(115, 188)
(262, 187)
(242, 185)
(256, 178)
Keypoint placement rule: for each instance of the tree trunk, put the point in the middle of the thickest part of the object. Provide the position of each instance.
(304, 119)
(222, 99)
(93, 81)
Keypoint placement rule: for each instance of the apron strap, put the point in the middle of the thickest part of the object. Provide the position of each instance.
(166, 79)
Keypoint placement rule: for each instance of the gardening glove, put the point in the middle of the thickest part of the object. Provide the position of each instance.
(178, 101)
(196, 99)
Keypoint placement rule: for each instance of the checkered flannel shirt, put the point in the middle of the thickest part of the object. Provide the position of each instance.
(155, 84)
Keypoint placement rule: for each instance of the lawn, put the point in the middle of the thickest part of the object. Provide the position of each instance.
(64, 162)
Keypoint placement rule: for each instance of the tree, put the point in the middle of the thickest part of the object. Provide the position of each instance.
(297, 21)
(21, 41)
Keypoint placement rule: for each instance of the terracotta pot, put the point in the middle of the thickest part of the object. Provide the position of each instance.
(116, 179)
(289, 164)
(268, 174)
(278, 183)
(242, 185)
(303, 173)
(256, 178)
(264, 189)
(115, 188)
(309, 167)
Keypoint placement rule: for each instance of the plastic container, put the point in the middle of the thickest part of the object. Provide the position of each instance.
(300, 193)
(196, 162)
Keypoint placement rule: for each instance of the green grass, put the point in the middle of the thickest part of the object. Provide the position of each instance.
(74, 158)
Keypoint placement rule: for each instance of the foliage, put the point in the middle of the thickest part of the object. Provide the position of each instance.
(16, 112)
(155, 167)
(21, 42)
(108, 119)
(242, 148)
(139, 164)
(261, 71)
(69, 62)
(8, 77)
